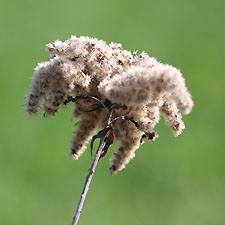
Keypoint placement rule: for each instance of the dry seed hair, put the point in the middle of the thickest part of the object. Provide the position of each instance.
(89, 67)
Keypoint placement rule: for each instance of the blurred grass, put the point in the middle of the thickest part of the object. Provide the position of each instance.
(174, 181)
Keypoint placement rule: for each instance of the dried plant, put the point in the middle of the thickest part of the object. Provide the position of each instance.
(120, 92)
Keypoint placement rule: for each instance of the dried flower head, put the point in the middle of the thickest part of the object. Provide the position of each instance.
(89, 67)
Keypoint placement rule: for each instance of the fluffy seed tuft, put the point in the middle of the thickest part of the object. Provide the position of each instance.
(86, 66)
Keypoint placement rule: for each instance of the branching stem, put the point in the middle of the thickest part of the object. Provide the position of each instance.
(100, 152)
(104, 144)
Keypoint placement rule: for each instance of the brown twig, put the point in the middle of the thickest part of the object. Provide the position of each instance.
(105, 143)
(88, 181)
(102, 149)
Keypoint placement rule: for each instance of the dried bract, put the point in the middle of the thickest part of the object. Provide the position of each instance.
(89, 67)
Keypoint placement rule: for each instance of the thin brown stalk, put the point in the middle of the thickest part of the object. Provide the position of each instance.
(99, 153)
(88, 181)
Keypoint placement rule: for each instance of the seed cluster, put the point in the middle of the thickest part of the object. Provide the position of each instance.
(89, 67)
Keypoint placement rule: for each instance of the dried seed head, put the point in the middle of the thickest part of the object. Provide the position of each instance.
(89, 67)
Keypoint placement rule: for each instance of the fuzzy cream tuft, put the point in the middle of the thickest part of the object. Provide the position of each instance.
(89, 67)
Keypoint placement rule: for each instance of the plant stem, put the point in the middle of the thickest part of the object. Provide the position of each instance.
(88, 181)
(103, 146)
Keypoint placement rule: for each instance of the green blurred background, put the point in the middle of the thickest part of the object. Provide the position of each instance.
(174, 181)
